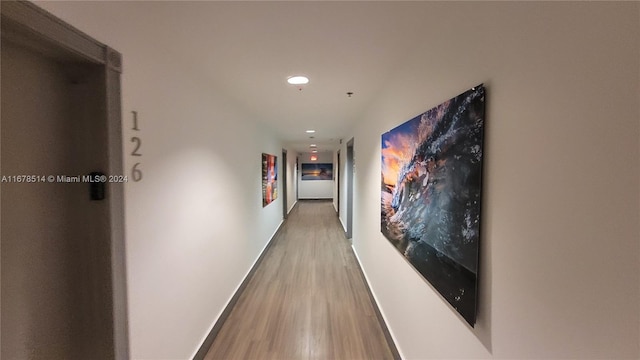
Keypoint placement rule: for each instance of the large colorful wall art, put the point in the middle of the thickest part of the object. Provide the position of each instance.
(431, 189)
(320, 171)
(269, 179)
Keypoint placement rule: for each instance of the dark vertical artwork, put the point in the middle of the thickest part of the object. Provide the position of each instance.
(431, 189)
(269, 179)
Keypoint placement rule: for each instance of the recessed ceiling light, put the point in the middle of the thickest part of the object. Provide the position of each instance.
(298, 80)
(310, 131)
(313, 145)
(314, 151)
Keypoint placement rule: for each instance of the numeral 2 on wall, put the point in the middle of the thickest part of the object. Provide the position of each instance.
(136, 172)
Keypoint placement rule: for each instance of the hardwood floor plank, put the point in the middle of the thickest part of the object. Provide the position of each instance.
(306, 300)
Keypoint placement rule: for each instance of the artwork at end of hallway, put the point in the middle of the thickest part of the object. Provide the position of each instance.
(317, 171)
(269, 179)
(431, 192)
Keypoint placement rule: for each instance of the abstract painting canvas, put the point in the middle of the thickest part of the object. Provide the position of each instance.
(431, 190)
(269, 179)
(317, 171)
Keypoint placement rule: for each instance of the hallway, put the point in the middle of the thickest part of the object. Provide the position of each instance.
(306, 300)
(180, 102)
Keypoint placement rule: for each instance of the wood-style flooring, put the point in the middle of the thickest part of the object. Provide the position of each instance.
(306, 299)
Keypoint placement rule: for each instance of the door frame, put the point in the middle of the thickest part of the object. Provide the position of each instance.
(338, 177)
(284, 184)
(39, 30)
(350, 166)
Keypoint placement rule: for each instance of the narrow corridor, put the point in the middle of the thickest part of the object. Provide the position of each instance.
(307, 299)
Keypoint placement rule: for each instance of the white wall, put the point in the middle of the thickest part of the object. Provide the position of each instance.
(559, 268)
(195, 224)
(315, 189)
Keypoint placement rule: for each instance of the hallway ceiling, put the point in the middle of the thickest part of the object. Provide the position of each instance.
(250, 48)
(341, 47)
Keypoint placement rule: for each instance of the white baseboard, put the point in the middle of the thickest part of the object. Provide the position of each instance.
(292, 206)
(232, 298)
(377, 303)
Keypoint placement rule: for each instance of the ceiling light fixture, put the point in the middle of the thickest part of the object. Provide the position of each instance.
(298, 80)
(310, 131)
(313, 145)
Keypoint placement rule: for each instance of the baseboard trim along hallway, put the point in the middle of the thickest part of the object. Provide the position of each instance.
(208, 340)
(305, 298)
(381, 318)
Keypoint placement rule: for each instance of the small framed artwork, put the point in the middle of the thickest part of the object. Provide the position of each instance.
(317, 171)
(269, 179)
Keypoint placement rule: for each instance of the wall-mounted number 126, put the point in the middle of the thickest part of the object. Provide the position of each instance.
(136, 173)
